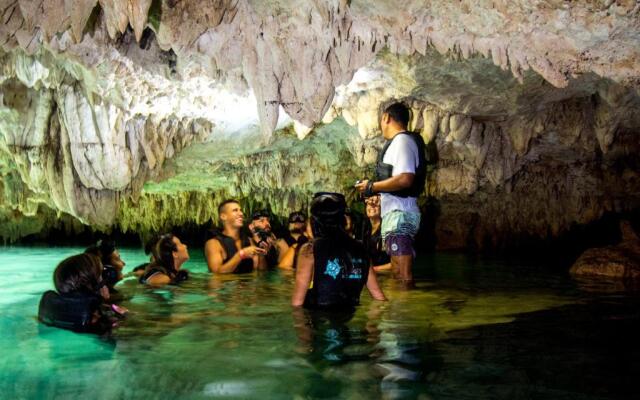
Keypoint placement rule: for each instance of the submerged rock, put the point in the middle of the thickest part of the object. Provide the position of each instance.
(621, 261)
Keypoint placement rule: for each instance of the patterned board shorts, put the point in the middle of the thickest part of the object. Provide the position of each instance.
(398, 230)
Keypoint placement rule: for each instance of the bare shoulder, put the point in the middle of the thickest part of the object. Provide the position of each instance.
(212, 244)
(306, 250)
(158, 279)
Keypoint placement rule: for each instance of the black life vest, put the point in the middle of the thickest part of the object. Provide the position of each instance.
(74, 312)
(289, 239)
(340, 271)
(152, 269)
(385, 171)
(229, 245)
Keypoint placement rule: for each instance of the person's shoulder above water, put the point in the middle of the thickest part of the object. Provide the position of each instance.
(306, 250)
(404, 142)
(402, 154)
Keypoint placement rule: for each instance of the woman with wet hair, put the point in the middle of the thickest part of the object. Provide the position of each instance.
(332, 269)
(78, 304)
(138, 271)
(169, 253)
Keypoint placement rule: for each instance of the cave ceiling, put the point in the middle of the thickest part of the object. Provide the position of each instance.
(109, 108)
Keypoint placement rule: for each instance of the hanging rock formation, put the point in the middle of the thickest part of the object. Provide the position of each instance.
(530, 109)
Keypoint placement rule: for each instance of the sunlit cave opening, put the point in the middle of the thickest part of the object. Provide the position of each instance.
(501, 260)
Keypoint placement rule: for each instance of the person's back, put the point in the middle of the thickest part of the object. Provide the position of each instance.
(333, 268)
(341, 269)
(76, 304)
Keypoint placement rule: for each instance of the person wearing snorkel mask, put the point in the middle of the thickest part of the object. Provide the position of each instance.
(289, 246)
(333, 268)
(112, 264)
(263, 237)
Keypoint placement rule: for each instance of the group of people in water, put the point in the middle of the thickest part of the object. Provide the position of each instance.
(331, 266)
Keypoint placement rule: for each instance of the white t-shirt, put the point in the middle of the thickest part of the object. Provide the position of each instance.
(403, 155)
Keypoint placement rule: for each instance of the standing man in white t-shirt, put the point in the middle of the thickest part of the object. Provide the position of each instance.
(400, 179)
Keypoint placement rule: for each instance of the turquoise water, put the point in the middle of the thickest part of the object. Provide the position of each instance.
(472, 329)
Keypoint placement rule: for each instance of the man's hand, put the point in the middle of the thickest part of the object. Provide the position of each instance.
(362, 185)
(254, 251)
(265, 244)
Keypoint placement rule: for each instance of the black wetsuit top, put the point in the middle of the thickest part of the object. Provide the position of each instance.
(149, 272)
(373, 243)
(176, 277)
(73, 311)
(341, 269)
(229, 245)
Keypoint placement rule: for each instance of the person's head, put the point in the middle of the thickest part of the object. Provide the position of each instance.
(230, 214)
(109, 255)
(297, 222)
(260, 220)
(372, 207)
(328, 214)
(395, 118)
(78, 274)
(170, 252)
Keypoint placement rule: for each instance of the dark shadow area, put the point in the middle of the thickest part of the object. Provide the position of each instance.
(565, 249)
(586, 351)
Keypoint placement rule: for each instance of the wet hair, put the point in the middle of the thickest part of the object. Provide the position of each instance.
(224, 203)
(163, 254)
(399, 113)
(260, 214)
(328, 215)
(80, 273)
(103, 249)
(148, 246)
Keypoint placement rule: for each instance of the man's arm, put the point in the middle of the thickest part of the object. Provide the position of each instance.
(304, 274)
(282, 247)
(287, 259)
(393, 184)
(404, 159)
(382, 267)
(213, 253)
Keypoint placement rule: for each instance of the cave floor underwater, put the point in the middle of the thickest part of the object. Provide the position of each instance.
(473, 328)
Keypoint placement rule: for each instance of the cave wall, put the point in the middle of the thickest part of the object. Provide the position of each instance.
(143, 115)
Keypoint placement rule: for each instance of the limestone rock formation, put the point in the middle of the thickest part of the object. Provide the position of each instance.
(529, 109)
(621, 261)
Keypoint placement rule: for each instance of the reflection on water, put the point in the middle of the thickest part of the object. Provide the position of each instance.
(471, 329)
